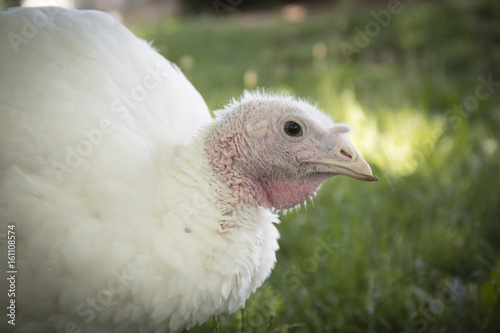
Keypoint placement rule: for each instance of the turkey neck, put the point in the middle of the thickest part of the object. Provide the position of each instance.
(226, 150)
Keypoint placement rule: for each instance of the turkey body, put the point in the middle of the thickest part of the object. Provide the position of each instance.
(120, 224)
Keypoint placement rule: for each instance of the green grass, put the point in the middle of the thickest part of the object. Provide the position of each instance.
(418, 251)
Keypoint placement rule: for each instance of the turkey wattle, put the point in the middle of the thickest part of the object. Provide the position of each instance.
(133, 209)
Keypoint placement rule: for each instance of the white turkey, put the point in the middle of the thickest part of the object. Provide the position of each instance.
(133, 210)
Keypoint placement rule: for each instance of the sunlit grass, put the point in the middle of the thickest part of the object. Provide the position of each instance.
(397, 141)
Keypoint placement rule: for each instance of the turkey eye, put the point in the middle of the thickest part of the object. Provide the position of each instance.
(293, 129)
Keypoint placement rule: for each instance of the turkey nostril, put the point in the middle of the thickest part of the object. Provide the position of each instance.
(346, 154)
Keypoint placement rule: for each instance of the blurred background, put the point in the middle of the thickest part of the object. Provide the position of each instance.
(419, 81)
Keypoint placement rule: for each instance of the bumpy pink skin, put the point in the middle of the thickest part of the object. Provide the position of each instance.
(262, 166)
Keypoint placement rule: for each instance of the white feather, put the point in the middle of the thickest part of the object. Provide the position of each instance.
(120, 226)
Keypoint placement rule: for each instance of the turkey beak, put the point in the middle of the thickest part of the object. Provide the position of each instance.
(344, 160)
